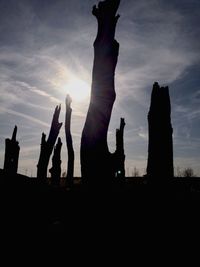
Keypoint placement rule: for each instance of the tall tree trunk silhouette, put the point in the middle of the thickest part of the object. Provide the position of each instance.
(47, 146)
(11, 154)
(95, 156)
(69, 142)
(56, 164)
(119, 156)
(160, 150)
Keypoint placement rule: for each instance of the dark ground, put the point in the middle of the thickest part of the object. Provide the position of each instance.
(135, 211)
(134, 217)
(53, 204)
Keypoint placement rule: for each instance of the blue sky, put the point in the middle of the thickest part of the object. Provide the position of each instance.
(46, 51)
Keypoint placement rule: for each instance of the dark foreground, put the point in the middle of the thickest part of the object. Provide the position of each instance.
(28, 207)
(127, 220)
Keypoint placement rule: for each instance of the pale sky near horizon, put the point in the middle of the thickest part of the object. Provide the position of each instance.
(46, 51)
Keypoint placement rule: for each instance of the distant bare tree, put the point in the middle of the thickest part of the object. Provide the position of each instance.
(188, 172)
(135, 172)
(178, 172)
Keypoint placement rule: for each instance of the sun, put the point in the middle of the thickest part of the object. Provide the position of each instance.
(78, 89)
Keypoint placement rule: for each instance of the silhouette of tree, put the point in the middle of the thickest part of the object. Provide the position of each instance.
(160, 150)
(178, 172)
(119, 157)
(135, 172)
(47, 146)
(11, 154)
(96, 160)
(69, 142)
(188, 172)
(56, 164)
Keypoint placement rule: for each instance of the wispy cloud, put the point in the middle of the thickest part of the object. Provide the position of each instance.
(27, 117)
(38, 91)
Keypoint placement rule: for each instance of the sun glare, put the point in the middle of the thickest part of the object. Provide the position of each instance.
(78, 89)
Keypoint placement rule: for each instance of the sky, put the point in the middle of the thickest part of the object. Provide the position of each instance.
(46, 51)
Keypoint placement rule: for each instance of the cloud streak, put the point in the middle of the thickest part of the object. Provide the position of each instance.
(27, 117)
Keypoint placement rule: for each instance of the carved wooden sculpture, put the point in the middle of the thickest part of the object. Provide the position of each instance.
(47, 146)
(95, 156)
